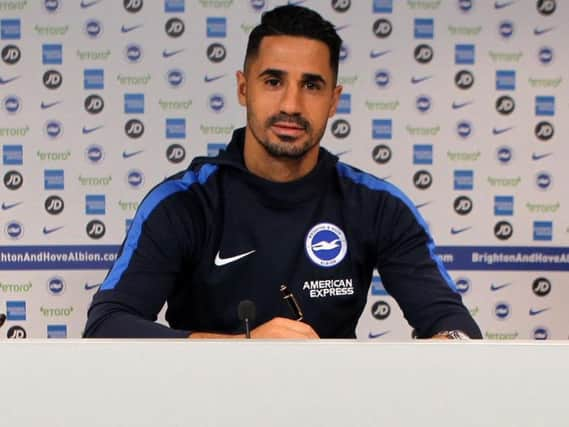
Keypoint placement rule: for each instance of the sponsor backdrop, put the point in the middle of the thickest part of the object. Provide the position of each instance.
(458, 102)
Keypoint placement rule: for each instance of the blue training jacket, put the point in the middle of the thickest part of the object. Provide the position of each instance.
(214, 235)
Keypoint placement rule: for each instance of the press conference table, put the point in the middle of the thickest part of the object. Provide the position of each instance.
(88, 383)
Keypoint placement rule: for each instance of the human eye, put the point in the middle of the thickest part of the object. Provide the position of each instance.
(312, 85)
(272, 82)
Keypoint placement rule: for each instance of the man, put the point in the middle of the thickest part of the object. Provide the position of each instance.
(274, 209)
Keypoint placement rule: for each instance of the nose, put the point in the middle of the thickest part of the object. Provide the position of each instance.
(291, 100)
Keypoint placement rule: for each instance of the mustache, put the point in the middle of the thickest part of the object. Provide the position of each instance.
(287, 118)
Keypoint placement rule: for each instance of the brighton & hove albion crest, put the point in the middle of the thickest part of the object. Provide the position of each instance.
(326, 245)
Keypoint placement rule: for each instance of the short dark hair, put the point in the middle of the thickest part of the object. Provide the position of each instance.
(291, 20)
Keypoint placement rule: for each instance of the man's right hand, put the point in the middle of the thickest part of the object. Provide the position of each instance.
(276, 328)
(281, 327)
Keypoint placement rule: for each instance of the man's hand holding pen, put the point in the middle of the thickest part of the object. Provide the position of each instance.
(276, 328)
(280, 327)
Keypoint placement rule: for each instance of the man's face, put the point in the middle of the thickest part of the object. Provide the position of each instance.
(290, 92)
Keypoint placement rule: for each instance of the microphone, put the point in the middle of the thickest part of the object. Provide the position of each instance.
(246, 313)
(2, 319)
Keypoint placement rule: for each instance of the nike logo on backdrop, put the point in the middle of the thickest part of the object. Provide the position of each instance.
(87, 130)
(503, 4)
(47, 231)
(371, 335)
(416, 80)
(534, 312)
(498, 131)
(168, 53)
(87, 4)
(459, 230)
(127, 155)
(494, 287)
(6, 81)
(125, 29)
(88, 287)
(377, 53)
(209, 79)
(540, 31)
(536, 156)
(459, 105)
(422, 205)
(6, 206)
(224, 261)
(46, 105)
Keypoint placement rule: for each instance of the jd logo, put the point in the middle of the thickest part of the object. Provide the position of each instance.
(503, 230)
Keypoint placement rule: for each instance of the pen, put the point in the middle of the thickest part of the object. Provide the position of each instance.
(291, 301)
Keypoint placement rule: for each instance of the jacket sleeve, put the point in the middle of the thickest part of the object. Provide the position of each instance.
(414, 275)
(145, 273)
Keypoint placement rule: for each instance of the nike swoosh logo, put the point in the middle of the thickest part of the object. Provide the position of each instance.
(127, 155)
(224, 261)
(88, 287)
(87, 130)
(341, 27)
(499, 131)
(6, 81)
(378, 53)
(459, 105)
(540, 31)
(501, 5)
(417, 80)
(209, 79)
(170, 53)
(533, 312)
(494, 287)
(125, 29)
(88, 4)
(422, 205)
(341, 153)
(296, 3)
(47, 231)
(371, 335)
(46, 105)
(535, 156)
(6, 206)
(459, 230)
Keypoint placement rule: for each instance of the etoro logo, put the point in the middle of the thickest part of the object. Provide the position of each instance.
(326, 245)
(56, 312)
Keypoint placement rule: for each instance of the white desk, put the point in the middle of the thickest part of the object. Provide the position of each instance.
(90, 383)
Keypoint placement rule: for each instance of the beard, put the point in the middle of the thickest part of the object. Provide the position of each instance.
(285, 148)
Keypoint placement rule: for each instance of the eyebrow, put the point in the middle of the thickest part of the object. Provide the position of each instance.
(307, 77)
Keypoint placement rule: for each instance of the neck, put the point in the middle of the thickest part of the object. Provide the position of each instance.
(278, 169)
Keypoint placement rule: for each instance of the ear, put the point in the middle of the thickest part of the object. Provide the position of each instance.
(335, 100)
(241, 88)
